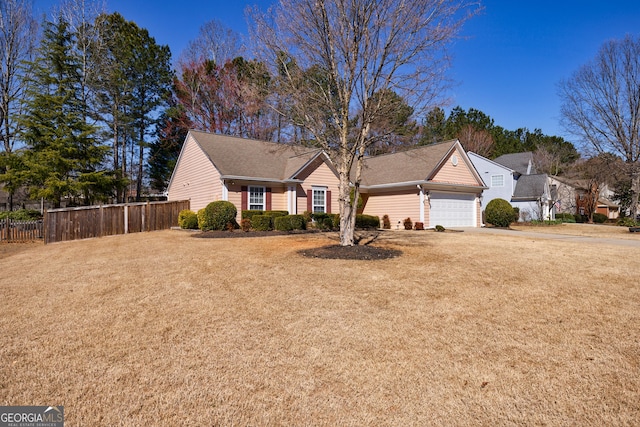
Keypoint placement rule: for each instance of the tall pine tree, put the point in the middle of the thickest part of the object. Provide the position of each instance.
(64, 159)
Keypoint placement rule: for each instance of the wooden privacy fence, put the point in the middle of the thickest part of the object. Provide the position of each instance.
(107, 220)
(20, 231)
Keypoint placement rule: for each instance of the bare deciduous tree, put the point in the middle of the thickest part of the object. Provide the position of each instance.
(601, 105)
(81, 15)
(479, 141)
(18, 37)
(215, 42)
(356, 49)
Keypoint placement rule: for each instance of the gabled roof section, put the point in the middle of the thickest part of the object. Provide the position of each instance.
(240, 157)
(519, 162)
(530, 186)
(473, 156)
(405, 166)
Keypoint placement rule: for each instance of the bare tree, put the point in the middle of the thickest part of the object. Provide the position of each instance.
(601, 105)
(18, 37)
(356, 49)
(215, 42)
(479, 141)
(81, 15)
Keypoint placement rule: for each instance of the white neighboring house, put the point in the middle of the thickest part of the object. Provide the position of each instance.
(513, 177)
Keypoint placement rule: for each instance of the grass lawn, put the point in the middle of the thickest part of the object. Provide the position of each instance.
(463, 329)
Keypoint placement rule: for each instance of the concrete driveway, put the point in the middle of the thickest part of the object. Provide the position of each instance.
(534, 234)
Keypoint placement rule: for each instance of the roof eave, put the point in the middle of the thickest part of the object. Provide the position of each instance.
(260, 179)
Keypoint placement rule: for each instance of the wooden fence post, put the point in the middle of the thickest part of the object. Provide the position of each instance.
(126, 219)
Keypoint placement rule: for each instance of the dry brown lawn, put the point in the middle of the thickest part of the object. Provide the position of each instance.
(463, 329)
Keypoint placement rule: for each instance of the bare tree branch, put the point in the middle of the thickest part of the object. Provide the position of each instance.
(18, 37)
(602, 105)
(356, 48)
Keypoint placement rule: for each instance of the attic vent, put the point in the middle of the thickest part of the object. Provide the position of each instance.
(454, 160)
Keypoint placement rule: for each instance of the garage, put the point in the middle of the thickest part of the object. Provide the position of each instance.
(452, 210)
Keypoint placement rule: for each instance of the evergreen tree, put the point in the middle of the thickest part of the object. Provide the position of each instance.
(64, 159)
(164, 151)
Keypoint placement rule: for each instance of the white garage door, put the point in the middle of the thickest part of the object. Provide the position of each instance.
(452, 210)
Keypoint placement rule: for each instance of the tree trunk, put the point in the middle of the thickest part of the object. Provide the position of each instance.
(635, 190)
(140, 168)
(347, 211)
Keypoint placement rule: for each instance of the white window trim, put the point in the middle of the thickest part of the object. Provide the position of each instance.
(264, 198)
(313, 199)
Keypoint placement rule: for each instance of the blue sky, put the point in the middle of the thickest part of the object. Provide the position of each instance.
(507, 64)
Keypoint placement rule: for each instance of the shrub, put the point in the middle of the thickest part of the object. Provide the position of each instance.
(408, 224)
(419, 225)
(336, 221)
(386, 222)
(289, 222)
(245, 224)
(579, 218)
(308, 216)
(626, 222)
(262, 222)
(367, 221)
(599, 218)
(188, 219)
(565, 217)
(516, 214)
(21, 215)
(248, 214)
(439, 228)
(217, 216)
(499, 213)
(327, 223)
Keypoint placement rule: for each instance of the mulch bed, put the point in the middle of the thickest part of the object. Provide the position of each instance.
(357, 252)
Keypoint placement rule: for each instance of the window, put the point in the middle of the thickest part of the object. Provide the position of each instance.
(497, 180)
(256, 198)
(319, 200)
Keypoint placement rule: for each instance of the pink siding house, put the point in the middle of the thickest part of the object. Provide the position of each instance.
(434, 184)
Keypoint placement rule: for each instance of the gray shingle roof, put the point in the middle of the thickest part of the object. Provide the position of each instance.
(241, 157)
(518, 162)
(406, 166)
(530, 186)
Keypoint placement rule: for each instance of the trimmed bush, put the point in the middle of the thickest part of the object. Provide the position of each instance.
(408, 224)
(419, 225)
(245, 224)
(248, 214)
(289, 222)
(579, 218)
(367, 221)
(386, 222)
(439, 228)
(499, 213)
(599, 218)
(217, 216)
(261, 222)
(188, 219)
